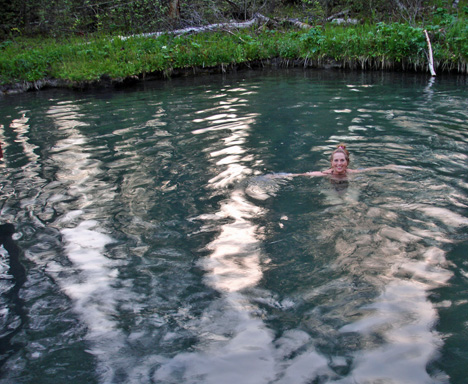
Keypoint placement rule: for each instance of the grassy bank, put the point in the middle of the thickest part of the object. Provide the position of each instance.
(380, 46)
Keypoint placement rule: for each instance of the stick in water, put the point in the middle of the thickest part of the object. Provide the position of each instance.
(431, 60)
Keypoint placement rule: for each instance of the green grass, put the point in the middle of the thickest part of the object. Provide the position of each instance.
(362, 46)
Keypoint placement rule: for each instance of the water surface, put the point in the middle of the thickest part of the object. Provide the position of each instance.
(158, 249)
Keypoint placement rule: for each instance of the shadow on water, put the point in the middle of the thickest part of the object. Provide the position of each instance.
(14, 313)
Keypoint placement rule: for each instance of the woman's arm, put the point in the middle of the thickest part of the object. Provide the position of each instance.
(312, 174)
(286, 175)
(389, 166)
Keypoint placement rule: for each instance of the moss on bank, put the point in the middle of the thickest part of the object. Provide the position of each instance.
(79, 62)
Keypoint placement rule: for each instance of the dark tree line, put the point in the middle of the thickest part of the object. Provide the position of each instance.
(65, 17)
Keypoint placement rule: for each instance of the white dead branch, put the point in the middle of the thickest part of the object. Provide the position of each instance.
(430, 57)
(256, 20)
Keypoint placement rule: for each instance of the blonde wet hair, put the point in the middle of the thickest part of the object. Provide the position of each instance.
(340, 148)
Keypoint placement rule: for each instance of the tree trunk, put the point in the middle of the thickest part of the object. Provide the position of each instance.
(174, 9)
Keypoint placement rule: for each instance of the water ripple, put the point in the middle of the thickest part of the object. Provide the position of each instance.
(165, 241)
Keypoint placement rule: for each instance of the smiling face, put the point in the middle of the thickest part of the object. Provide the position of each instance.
(339, 163)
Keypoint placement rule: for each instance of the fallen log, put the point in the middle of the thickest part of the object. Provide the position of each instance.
(206, 28)
(258, 19)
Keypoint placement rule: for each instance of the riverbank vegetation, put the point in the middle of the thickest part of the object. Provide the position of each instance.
(306, 33)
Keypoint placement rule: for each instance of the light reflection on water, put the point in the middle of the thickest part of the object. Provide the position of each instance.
(158, 251)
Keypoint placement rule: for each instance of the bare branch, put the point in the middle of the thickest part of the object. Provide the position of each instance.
(430, 57)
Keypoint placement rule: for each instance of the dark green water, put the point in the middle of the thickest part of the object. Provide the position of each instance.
(157, 250)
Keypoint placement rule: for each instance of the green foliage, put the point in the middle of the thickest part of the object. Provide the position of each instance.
(5, 44)
(313, 40)
(399, 40)
(443, 16)
(88, 59)
(58, 18)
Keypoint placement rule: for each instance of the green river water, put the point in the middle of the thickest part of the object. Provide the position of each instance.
(158, 248)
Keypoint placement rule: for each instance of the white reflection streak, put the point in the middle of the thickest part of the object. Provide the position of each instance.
(21, 127)
(402, 315)
(91, 287)
(235, 344)
(234, 265)
(235, 259)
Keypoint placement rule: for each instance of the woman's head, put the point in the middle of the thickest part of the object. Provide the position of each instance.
(339, 159)
(340, 148)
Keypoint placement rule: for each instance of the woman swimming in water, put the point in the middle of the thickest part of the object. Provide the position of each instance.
(339, 162)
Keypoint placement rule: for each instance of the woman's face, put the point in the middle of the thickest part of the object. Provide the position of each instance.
(339, 163)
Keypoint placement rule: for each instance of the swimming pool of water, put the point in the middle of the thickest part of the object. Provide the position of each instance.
(158, 249)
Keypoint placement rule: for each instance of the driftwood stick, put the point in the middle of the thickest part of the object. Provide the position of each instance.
(431, 60)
